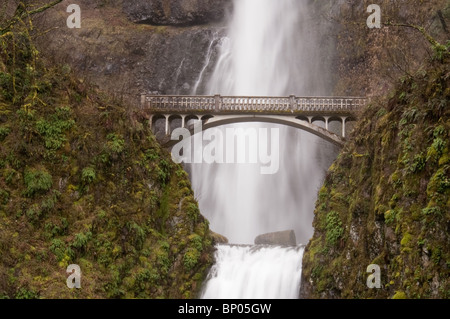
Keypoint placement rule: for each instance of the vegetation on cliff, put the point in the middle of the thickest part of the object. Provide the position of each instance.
(386, 199)
(83, 181)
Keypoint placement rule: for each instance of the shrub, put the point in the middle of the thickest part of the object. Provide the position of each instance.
(334, 228)
(196, 241)
(418, 164)
(25, 293)
(191, 258)
(192, 211)
(81, 239)
(4, 131)
(431, 211)
(57, 247)
(4, 196)
(163, 171)
(53, 129)
(138, 234)
(37, 181)
(88, 175)
(151, 155)
(115, 143)
(436, 149)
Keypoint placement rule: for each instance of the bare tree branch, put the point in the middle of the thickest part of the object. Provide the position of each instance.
(422, 30)
(22, 12)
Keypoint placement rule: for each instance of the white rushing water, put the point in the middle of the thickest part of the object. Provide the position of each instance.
(269, 50)
(243, 272)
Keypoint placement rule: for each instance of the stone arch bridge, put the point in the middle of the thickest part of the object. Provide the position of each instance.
(326, 117)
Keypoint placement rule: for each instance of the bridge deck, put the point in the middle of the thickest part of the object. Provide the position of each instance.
(246, 104)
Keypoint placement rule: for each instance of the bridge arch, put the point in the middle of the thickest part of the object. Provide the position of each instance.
(304, 118)
(158, 123)
(175, 121)
(221, 120)
(207, 117)
(189, 118)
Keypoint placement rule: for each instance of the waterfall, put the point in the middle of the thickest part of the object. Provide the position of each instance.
(270, 49)
(262, 272)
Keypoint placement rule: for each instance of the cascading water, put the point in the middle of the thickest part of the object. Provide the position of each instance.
(243, 272)
(269, 50)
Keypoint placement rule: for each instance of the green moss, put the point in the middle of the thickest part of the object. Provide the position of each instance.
(406, 240)
(399, 295)
(397, 197)
(390, 216)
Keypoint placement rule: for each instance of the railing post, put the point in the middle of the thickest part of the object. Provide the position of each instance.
(292, 101)
(217, 99)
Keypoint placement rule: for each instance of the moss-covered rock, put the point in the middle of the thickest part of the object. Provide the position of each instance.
(393, 207)
(83, 181)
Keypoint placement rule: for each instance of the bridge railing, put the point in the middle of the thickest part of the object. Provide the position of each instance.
(218, 104)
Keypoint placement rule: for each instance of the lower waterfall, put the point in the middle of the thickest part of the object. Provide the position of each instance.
(255, 272)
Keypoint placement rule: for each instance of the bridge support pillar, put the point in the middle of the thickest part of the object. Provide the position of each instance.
(343, 125)
(150, 122)
(143, 101)
(310, 119)
(326, 122)
(167, 124)
(183, 117)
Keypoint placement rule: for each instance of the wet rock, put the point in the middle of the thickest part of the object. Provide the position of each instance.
(177, 13)
(286, 238)
(218, 238)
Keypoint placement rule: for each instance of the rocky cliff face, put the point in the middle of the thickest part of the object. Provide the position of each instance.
(127, 58)
(386, 200)
(368, 62)
(178, 13)
(130, 47)
(83, 181)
